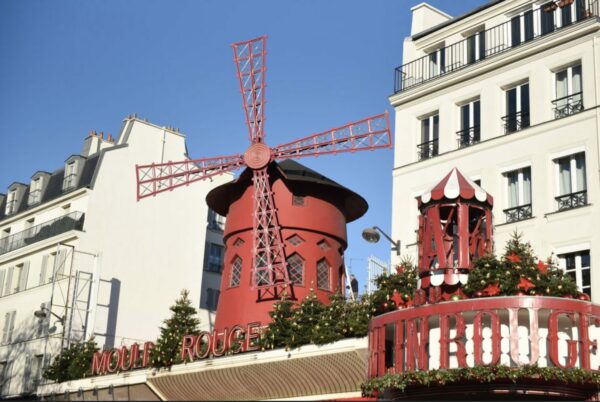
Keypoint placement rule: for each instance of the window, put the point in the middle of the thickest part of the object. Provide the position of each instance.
(323, 281)
(214, 260)
(5, 375)
(470, 120)
(547, 17)
(476, 47)
(518, 184)
(295, 267)
(22, 272)
(8, 327)
(569, 95)
(236, 272)
(323, 245)
(437, 62)
(517, 108)
(295, 240)
(212, 299)
(430, 128)
(577, 265)
(262, 272)
(572, 190)
(35, 191)
(238, 242)
(8, 281)
(70, 180)
(34, 373)
(298, 200)
(522, 27)
(215, 221)
(11, 203)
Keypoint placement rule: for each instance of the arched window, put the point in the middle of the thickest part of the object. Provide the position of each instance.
(236, 272)
(323, 276)
(295, 267)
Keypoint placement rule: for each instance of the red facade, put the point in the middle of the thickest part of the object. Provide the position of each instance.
(313, 213)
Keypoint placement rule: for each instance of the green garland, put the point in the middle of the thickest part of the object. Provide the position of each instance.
(480, 374)
(73, 363)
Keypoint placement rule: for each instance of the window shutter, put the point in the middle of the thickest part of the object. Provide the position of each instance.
(2, 274)
(9, 275)
(5, 329)
(44, 269)
(61, 259)
(27, 374)
(24, 276)
(12, 326)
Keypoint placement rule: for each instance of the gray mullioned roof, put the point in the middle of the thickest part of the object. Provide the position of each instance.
(54, 187)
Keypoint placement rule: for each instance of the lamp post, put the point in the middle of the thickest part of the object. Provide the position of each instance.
(372, 236)
(43, 313)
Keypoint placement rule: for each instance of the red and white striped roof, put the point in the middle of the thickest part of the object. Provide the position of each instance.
(455, 185)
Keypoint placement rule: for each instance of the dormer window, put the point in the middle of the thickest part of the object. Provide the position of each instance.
(70, 180)
(35, 191)
(11, 203)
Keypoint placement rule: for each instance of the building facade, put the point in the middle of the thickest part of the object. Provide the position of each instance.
(81, 257)
(507, 93)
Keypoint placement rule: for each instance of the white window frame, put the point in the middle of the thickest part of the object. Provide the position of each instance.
(519, 88)
(430, 134)
(569, 70)
(467, 36)
(520, 186)
(35, 188)
(70, 170)
(578, 267)
(11, 202)
(572, 170)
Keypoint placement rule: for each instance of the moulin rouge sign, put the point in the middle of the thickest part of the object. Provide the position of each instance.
(549, 331)
(193, 347)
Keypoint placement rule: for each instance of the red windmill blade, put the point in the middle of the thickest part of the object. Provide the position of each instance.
(269, 263)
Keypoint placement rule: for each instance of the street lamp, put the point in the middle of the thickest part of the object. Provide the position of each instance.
(43, 313)
(372, 236)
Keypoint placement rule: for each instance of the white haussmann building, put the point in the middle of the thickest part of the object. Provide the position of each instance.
(81, 257)
(507, 93)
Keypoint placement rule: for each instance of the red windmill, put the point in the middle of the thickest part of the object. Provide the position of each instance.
(269, 263)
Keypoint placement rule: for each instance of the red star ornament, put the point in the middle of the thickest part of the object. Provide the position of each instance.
(513, 258)
(399, 269)
(543, 268)
(492, 289)
(397, 298)
(525, 284)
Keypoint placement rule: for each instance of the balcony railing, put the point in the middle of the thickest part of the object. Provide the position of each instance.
(43, 231)
(516, 121)
(484, 44)
(519, 213)
(427, 149)
(568, 105)
(572, 200)
(468, 136)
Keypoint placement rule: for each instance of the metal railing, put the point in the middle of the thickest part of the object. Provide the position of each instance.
(43, 231)
(519, 213)
(484, 44)
(427, 149)
(516, 121)
(468, 136)
(568, 105)
(572, 200)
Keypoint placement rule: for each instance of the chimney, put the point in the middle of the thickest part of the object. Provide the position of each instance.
(95, 142)
(425, 16)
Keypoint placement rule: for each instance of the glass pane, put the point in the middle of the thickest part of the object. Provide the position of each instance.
(547, 18)
(464, 117)
(476, 113)
(515, 30)
(572, 275)
(585, 259)
(585, 277)
(481, 45)
(526, 186)
(576, 84)
(528, 16)
(513, 189)
(566, 15)
(561, 84)
(564, 173)
(471, 43)
(436, 127)
(511, 101)
(425, 130)
(580, 173)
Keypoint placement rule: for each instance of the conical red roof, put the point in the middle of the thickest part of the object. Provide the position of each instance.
(455, 185)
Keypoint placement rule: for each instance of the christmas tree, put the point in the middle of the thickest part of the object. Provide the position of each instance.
(73, 363)
(518, 273)
(167, 350)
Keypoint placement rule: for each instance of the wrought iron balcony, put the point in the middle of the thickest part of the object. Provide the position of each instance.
(491, 42)
(568, 105)
(572, 200)
(519, 213)
(468, 136)
(43, 231)
(427, 149)
(516, 121)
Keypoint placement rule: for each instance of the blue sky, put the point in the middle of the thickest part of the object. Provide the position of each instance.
(67, 67)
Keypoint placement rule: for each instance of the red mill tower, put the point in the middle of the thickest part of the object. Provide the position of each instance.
(312, 211)
(454, 228)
